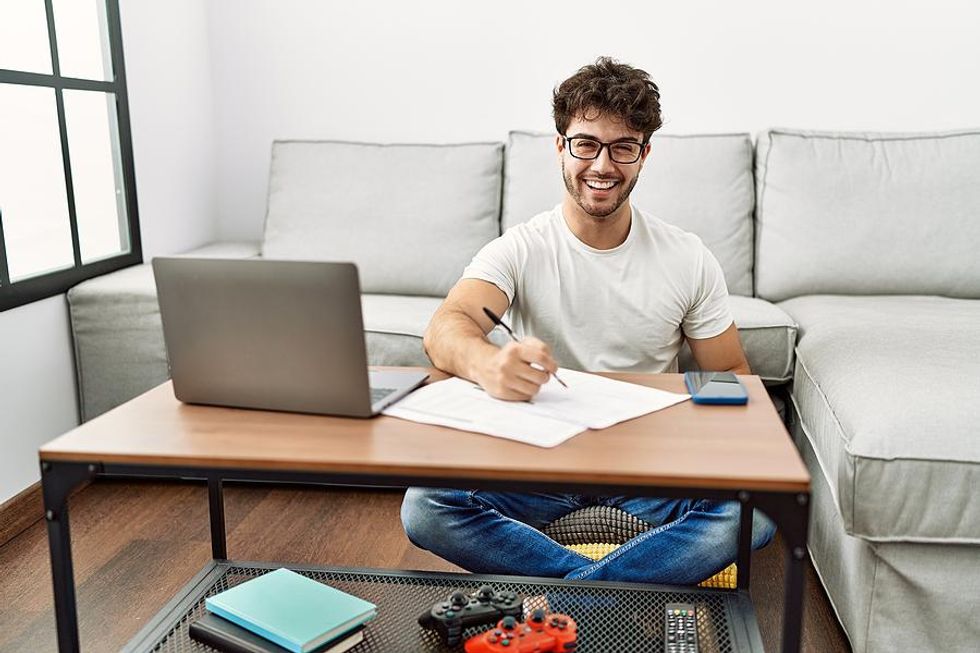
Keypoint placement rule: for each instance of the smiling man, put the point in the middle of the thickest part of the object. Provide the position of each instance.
(595, 284)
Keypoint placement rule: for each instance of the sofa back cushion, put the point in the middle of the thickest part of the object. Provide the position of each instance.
(702, 184)
(856, 213)
(410, 216)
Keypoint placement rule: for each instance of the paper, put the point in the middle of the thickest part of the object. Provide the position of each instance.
(553, 416)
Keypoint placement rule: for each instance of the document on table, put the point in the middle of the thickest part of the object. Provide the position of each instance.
(553, 416)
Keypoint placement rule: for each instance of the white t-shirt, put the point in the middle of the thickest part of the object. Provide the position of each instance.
(624, 309)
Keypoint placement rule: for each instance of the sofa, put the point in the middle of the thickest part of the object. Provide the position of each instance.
(853, 263)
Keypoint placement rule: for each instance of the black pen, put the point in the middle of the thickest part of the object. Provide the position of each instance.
(496, 320)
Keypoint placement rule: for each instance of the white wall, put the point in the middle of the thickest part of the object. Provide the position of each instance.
(168, 72)
(37, 387)
(443, 70)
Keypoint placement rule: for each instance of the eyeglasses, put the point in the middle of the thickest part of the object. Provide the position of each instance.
(590, 149)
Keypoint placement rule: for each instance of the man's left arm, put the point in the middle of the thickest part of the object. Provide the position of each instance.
(709, 312)
(722, 353)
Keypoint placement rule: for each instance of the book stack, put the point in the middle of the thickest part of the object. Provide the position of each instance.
(283, 611)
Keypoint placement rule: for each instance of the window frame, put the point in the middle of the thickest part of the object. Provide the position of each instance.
(54, 283)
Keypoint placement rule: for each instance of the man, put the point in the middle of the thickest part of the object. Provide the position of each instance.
(596, 285)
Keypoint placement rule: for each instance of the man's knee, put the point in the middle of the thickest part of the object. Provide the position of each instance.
(763, 529)
(426, 513)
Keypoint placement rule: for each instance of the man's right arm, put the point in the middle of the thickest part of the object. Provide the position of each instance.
(455, 342)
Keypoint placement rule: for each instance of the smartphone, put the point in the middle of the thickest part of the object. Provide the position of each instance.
(715, 388)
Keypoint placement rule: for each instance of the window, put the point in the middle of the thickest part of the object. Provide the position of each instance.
(67, 189)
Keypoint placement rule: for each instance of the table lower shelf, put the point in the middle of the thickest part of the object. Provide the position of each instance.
(612, 617)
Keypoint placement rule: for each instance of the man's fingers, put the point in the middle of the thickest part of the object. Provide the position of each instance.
(537, 353)
(523, 389)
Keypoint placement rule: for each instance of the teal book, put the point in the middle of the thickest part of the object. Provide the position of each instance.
(291, 610)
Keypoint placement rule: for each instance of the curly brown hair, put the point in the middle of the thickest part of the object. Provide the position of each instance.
(609, 88)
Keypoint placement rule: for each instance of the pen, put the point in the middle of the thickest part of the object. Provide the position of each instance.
(496, 320)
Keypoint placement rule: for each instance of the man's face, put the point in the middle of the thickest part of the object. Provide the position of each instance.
(601, 185)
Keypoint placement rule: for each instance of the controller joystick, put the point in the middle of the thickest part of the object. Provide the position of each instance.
(542, 633)
(481, 608)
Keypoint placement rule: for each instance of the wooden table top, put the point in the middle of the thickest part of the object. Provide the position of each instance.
(687, 445)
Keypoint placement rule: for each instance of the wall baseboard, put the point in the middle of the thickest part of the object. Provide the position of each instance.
(20, 512)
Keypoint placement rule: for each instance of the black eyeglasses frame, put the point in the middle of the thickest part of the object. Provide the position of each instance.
(568, 146)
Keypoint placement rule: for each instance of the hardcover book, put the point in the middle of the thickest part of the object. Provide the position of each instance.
(291, 610)
(225, 636)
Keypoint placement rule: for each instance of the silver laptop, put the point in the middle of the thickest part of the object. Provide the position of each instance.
(274, 335)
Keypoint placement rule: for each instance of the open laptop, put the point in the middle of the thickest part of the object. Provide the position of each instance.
(273, 335)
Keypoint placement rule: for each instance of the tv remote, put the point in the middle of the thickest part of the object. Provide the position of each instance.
(680, 628)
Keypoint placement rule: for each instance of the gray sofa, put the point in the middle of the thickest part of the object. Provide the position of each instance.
(852, 261)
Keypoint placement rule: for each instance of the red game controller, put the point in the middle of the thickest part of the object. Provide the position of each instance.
(541, 633)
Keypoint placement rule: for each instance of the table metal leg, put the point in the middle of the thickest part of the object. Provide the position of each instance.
(744, 560)
(57, 481)
(791, 513)
(216, 508)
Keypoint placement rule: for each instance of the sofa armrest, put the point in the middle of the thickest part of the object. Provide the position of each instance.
(117, 334)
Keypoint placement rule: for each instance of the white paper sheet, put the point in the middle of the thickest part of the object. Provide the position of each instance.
(553, 416)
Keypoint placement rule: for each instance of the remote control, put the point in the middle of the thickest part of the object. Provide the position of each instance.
(680, 628)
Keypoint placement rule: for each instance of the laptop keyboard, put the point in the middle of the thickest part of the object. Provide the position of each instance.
(377, 394)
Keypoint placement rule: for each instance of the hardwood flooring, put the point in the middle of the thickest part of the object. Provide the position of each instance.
(136, 543)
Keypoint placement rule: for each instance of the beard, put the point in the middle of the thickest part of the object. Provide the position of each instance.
(594, 210)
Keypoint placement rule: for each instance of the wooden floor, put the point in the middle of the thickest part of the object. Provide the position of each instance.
(137, 543)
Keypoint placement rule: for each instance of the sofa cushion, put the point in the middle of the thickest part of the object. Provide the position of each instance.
(768, 337)
(868, 214)
(394, 326)
(886, 388)
(702, 184)
(410, 216)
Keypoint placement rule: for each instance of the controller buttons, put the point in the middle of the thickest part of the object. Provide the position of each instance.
(508, 623)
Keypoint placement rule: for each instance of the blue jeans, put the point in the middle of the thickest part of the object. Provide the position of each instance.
(499, 533)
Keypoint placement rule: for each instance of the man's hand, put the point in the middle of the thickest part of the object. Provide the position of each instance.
(514, 372)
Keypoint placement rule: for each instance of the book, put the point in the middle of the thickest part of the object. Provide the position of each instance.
(291, 610)
(224, 635)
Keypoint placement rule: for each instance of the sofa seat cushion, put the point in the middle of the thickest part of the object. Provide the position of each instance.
(410, 216)
(394, 326)
(886, 388)
(768, 337)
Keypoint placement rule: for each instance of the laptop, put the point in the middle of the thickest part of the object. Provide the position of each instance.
(272, 335)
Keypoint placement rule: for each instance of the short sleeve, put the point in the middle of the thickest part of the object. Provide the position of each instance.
(709, 314)
(498, 262)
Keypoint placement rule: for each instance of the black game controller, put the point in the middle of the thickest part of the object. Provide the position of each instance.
(481, 608)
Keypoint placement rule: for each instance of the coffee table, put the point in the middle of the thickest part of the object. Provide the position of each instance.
(740, 453)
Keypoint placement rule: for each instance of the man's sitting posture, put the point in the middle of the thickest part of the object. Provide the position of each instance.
(596, 285)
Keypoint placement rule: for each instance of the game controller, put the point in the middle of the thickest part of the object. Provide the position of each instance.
(481, 608)
(541, 633)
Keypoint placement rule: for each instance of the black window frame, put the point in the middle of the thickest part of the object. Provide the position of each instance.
(57, 282)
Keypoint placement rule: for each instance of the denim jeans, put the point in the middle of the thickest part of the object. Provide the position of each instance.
(499, 533)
